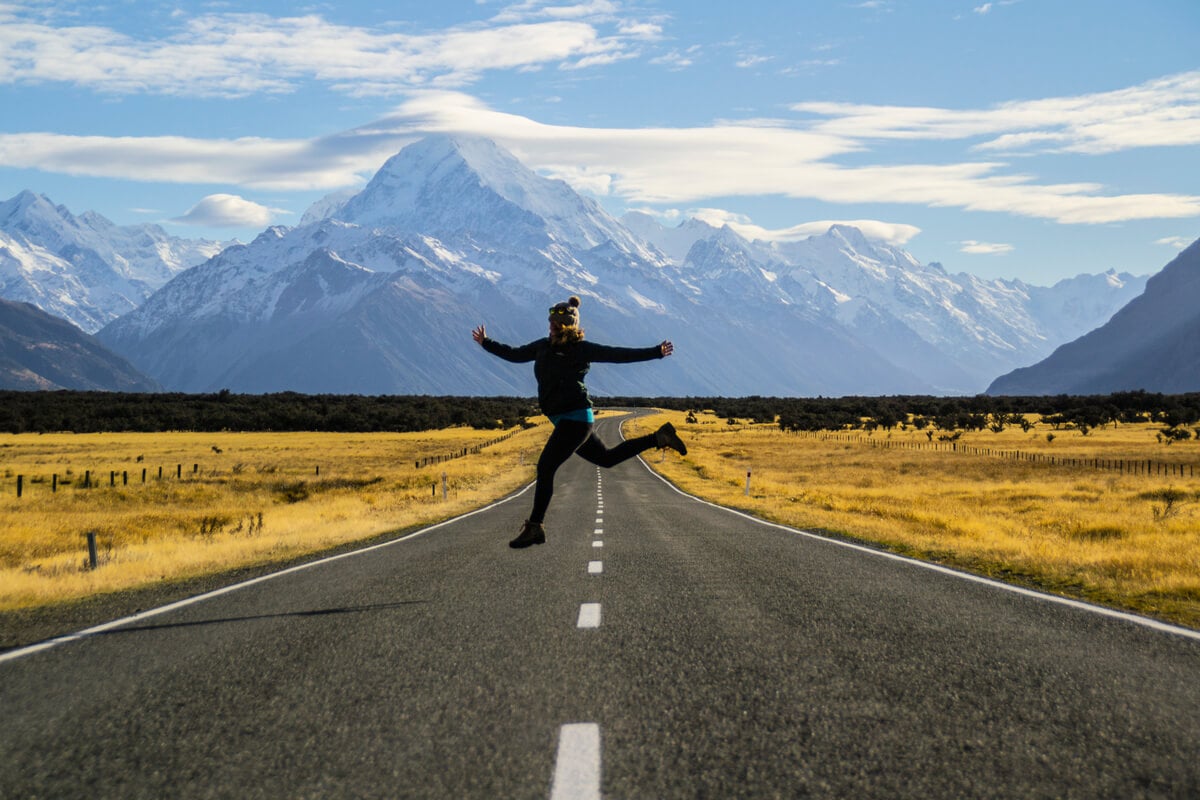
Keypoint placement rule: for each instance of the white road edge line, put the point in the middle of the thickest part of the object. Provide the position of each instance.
(13, 655)
(1136, 619)
(577, 763)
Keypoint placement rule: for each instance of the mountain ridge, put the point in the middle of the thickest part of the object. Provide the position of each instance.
(84, 268)
(1118, 355)
(377, 292)
(41, 351)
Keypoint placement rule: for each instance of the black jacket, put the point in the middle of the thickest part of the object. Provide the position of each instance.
(560, 369)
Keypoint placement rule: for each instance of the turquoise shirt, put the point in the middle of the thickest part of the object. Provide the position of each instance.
(580, 415)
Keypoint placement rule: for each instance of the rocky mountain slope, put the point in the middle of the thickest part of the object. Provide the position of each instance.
(1153, 343)
(41, 351)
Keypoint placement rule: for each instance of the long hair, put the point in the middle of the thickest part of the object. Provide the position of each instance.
(567, 335)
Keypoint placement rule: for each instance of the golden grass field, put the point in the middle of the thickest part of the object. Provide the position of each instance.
(259, 500)
(1129, 541)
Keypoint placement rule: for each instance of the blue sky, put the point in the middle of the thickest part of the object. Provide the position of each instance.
(1031, 139)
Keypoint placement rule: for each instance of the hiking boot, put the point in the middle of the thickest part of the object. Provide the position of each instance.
(532, 533)
(667, 437)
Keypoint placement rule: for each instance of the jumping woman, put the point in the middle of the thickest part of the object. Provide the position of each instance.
(560, 363)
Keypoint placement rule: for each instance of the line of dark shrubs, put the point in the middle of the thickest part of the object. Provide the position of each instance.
(93, 412)
(978, 412)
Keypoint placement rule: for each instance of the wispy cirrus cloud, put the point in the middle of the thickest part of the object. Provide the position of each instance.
(1160, 113)
(984, 248)
(240, 54)
(295, 165)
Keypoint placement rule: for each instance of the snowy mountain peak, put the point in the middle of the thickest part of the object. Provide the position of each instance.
(674, 242)
(33, 213)
(851, 237)
(84, 268)
(451, 186)
(409, 181)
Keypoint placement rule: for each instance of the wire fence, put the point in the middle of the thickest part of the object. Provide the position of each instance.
(1124, 466)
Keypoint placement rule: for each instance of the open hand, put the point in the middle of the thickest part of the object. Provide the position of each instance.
(667, 348)
(479, 334)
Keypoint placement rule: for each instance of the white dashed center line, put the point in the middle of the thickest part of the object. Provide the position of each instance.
(597, 543)
(589, 616)
(595, 567)
(577, 764)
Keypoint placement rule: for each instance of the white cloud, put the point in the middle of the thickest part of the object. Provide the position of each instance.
(655, 166)
(1178, 242)
(248, 162)
(676, 60)
(540, 9)
(984, 248)
(242, 54)
(685, 165)
(1159, 113)
(228, 211)
(893, 233)
(747, 62)
(983, 9)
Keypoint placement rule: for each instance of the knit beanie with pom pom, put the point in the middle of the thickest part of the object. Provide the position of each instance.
(566, 314)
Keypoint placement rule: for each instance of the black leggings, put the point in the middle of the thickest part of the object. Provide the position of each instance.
(571, 436)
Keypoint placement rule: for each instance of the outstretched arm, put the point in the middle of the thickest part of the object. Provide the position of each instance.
(515, 354)
(626, 355)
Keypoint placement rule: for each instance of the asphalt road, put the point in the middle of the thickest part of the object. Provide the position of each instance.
(694, 654)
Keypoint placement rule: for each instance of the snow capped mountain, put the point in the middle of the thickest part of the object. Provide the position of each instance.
(955, 330)
(377, 294)
(451, 186)
(84, 268)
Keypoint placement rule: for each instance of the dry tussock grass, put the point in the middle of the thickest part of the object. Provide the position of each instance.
(1131, 541)
(255, 498)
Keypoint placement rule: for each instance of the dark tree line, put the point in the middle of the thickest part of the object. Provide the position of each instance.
(979, 412)
(93, 412)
